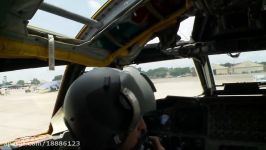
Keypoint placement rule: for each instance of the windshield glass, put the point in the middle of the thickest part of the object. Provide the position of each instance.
(27, 99)
(173, 77)
(63, 26)
(184, 30)
(247, 67)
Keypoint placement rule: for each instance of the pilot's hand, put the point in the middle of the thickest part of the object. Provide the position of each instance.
(156, 143)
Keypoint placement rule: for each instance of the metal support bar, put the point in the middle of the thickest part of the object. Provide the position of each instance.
(155, 13)
(69, 15)
(112, 39)
(51, 52)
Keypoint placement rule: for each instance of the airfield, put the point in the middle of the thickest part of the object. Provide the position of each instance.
(25, 114)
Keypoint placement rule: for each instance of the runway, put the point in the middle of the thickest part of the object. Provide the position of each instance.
(25, 114)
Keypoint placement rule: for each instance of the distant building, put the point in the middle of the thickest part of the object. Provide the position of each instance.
(241, 68)
(247, 67)
(219, 70)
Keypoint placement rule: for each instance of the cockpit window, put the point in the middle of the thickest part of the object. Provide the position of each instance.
(173, 77)
(27, 99)
(63, 26)
(239, 67)
(58, 25)
(185, 29)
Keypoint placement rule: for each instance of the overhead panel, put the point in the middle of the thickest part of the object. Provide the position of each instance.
(107, 41)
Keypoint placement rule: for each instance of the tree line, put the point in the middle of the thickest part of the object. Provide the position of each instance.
(232, 64)
(163, 72)
(34, 81)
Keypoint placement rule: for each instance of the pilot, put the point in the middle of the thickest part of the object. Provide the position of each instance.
(104, 109)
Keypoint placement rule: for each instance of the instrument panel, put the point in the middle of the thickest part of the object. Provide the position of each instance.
(210, 123)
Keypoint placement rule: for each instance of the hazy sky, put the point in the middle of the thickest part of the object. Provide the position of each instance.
(255, 56)
(43, 74)
(87, 8)
(62, 25)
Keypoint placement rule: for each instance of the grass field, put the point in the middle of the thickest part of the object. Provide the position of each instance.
(24, 114)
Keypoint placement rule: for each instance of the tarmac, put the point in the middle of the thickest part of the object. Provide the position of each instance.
(25, 114)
